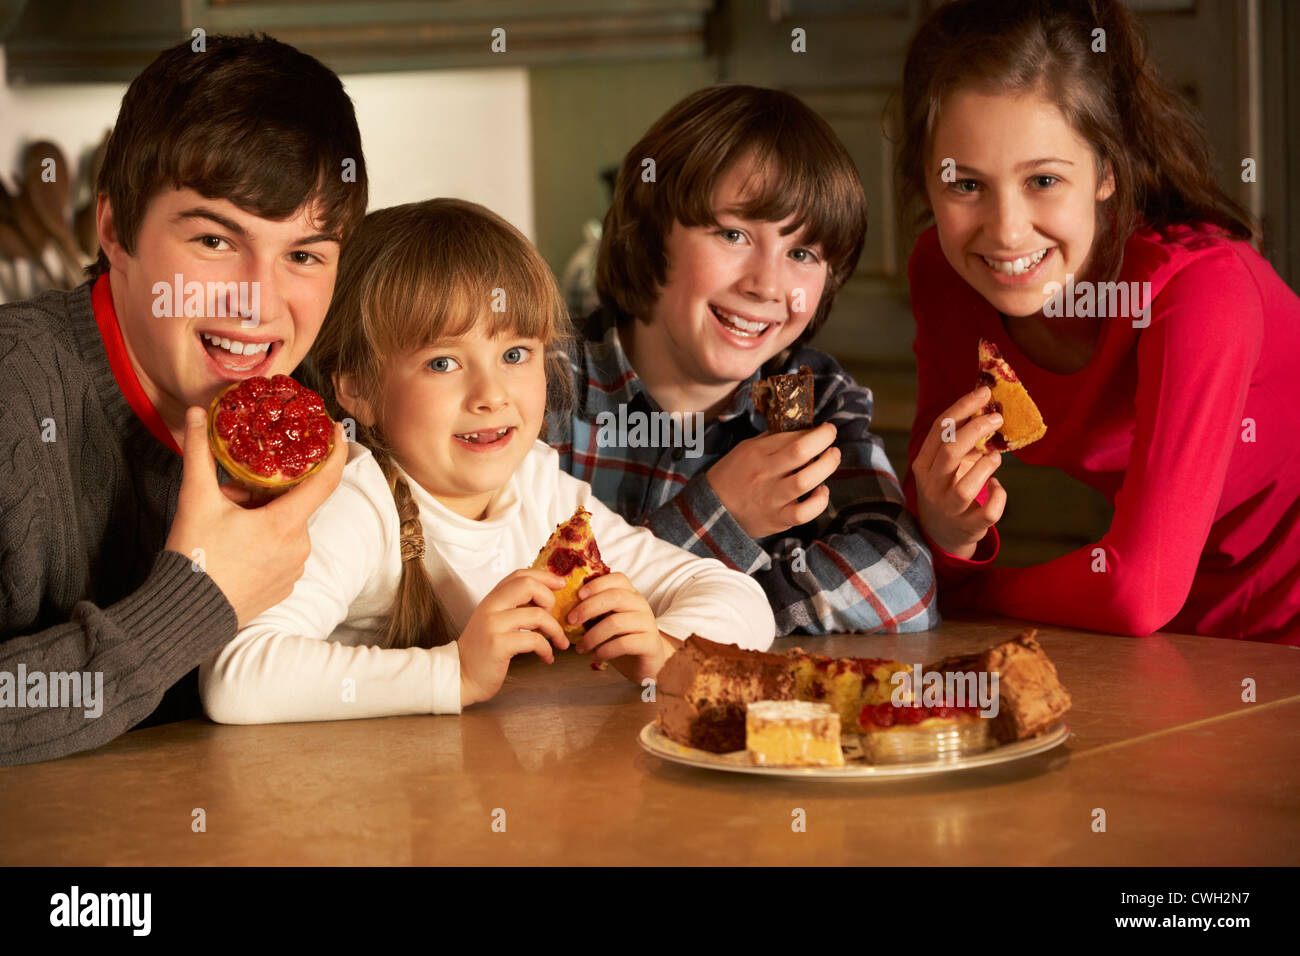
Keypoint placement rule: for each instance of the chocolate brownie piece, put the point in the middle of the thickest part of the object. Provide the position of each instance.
(785, 400)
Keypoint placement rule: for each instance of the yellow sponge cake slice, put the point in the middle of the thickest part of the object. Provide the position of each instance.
(1022, 423)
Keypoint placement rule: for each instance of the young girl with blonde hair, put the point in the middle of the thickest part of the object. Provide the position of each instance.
(437, 344)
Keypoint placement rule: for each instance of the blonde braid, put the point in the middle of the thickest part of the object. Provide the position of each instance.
(408, 512)
(418, 618)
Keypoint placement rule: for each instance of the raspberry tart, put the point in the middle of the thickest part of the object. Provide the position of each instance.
(571, 553)
(1022, 423)
(269, 434)
(893, 733)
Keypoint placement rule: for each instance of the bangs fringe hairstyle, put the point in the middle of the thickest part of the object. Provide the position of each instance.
(412, 275)
(250, 120)
(1152, 139)
(801, 169)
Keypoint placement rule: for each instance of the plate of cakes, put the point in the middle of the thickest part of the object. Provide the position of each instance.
(851, 718)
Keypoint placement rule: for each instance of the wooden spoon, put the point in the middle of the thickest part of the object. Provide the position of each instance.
(49, 199)
(83, 224)
(6, 204)
(33, 234)
(13, 250)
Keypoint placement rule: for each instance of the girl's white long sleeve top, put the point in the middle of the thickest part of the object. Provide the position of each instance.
(314, 656)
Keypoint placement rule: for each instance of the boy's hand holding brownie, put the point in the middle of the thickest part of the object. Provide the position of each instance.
(762, 479)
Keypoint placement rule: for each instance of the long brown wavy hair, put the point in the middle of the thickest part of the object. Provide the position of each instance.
(412, 275)
(1150, 137)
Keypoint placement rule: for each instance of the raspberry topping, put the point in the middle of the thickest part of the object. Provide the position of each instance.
(273, 427)
(563, 560)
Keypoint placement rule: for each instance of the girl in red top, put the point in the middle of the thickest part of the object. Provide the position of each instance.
(1055, 162)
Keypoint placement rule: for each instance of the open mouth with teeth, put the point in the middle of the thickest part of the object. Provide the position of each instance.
(488, 438)
(1016, 267)
(237, 355)
(741, 327)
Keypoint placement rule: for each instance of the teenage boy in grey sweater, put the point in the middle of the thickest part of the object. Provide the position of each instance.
(232, 180)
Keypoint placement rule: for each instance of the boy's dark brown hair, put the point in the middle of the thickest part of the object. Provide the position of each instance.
(250, 120)
(1138, 126)
(801, 169)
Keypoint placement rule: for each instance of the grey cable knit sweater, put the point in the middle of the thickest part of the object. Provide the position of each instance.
(85, 584)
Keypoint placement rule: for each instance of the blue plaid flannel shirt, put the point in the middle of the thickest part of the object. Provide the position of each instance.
(862, 565)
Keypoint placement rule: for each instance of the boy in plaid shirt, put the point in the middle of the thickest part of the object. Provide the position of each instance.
(735, 220)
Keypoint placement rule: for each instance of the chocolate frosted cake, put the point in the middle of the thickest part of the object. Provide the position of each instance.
(705, 686)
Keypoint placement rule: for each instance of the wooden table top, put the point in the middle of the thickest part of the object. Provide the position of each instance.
(1184, 770)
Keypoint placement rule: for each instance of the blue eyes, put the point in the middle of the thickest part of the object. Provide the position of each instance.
(515, 355)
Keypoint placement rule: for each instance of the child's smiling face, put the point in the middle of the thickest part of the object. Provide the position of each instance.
(461, 415)
(215, 243)
(737, 292)
(1022, 210)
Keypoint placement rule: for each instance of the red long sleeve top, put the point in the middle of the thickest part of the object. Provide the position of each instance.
(1190, 426)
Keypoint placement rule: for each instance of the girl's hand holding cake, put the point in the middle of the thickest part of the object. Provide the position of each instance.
(950, 472)
(514, 618)
(621, 627)
(761, 480)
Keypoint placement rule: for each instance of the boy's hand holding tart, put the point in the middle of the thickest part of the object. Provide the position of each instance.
(255, 555)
